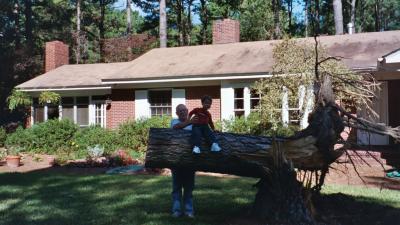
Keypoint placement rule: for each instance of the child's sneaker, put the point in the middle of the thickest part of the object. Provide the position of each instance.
(215, 147)
(196, 150)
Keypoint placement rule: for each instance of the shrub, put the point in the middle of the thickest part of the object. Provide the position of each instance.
(244, 125)
(21, 137)
(133, 135)
(3, 136)
(92, 136)
(253, 125)
(47, 137)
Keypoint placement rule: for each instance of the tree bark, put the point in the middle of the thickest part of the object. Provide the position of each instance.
(29, 25)
(163, 24)
(17, 37)
(128, 17)
(353, 14)
(338, 15)
(246, 155)
(78, 31)
(204, 21)
(101, 28)
(276, 6)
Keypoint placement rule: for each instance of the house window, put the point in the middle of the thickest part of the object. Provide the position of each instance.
(239, 102)
(53, 112)
(38, 111)
(99, 107)
(67, 105)
(160, 103)
(254, 100)
(82, 111)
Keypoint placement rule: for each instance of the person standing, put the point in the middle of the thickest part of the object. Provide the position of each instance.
(182, 179)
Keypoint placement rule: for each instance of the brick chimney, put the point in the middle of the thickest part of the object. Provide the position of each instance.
(225, 31)
(56, 55)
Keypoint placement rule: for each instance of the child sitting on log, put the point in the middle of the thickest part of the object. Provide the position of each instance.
(201, 128)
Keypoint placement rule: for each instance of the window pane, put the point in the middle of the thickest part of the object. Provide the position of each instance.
(67, 100)
(160, 102)
(52, 112)
(254, 103)
(239, 113)
(239, 104)
(253, 94)
(238, 92)
(38, 115)
(82, 115)
(99, 97)
(68, 112)
(82, 100)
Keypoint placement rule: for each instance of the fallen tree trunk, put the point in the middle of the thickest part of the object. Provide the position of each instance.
(242, 155)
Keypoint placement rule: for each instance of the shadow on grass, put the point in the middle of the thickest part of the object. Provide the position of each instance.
(50, 197)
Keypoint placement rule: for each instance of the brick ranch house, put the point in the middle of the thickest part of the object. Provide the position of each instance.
(107, 94)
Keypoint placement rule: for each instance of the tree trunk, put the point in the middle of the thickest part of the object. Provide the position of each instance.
(290, 11)
(306, 18)
(17, 37)
(179, 12)
(353, 14)
(101, 28)
(29, 25)
(189, 23)
(246, 155)
(280, 194)
(377, 15)
(362, 18)
(163, 24)
(276, 6)
(204, 21)
(128, 17)
(338, 15)
(78, 31)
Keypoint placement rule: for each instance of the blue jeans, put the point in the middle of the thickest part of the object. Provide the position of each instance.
(182, 179)
(202, 130)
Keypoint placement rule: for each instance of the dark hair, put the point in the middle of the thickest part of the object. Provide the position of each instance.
(206, 97)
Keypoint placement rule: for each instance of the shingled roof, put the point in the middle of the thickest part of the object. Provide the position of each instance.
(360, 51)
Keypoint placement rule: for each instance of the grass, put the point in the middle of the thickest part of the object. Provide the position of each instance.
(53, 198)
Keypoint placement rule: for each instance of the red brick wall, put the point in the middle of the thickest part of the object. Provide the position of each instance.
(225, 31)
(56, 55)
(193, 99)
(122, 107)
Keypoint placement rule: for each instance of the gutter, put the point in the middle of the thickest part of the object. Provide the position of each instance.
(64, 89)
(144, 81)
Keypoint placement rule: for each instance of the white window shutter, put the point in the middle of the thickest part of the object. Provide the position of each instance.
(178, 97)
(246, 101)
(142, 105)
(227, 102)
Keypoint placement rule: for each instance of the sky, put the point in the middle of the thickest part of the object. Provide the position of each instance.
(298, 10)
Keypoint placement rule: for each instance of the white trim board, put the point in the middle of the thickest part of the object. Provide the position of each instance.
(188, 79)
(65, 89)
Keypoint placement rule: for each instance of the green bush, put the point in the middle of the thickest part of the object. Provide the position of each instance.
(3, 136)
(92, 136)
(253, 125)
(47, 137)
(21, 137)
(133, 135)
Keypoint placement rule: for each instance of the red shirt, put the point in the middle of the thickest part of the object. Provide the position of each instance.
(204, 116)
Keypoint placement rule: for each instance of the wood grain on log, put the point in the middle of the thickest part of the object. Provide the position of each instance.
(243, 155)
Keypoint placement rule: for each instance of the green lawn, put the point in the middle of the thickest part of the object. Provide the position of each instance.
(53, 198)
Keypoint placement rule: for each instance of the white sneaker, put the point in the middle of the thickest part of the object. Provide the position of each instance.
(215, 147)
(196, 150)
